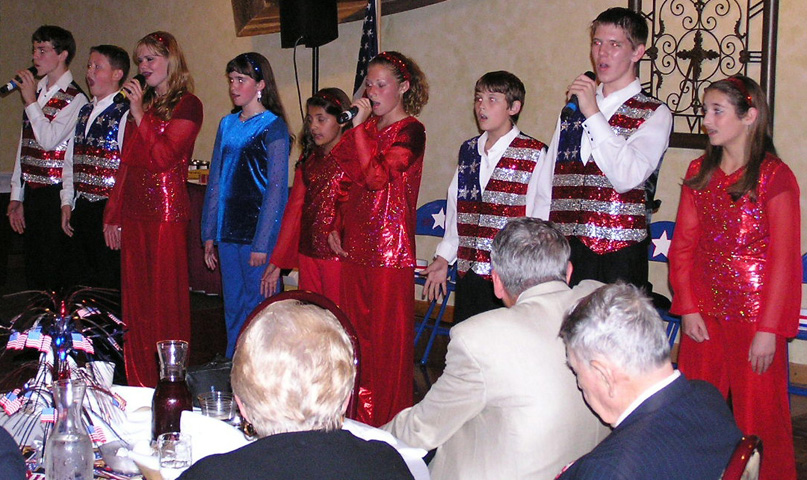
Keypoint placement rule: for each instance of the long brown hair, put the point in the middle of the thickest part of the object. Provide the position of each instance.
(333, 101)
(179, 80)
(744, 94)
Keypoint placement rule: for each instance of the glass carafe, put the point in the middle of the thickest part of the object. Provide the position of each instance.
(68, 451)
(172, 395)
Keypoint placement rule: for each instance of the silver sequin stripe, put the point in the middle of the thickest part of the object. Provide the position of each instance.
(32, 143)
(41, 162)
(41, 179)
(488, 221)
(504, 198)
(51, 111)
(97, 180)
(96, 161)
(580, 180)
(480, 268)
(598, 206)
(511, 175)
(476, 243)
(522, 153)
(605, 233)
(91, 196)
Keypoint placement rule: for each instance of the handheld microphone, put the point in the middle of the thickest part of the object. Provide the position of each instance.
(123, 95)
(573, 105)
(347, 115)
(14, 84)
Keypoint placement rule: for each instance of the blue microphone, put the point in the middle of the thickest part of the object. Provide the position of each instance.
(573, 105)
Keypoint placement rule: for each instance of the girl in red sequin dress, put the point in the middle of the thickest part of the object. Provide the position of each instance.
(150, 204)
(310, 212)
(735, 268)
(375, 230)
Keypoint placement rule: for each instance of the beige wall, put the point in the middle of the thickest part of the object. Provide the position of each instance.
(545, 42)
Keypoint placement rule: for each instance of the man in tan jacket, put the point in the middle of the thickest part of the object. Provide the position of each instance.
(506, 405)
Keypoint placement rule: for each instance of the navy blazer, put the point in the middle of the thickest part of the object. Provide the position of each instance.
(684, 431)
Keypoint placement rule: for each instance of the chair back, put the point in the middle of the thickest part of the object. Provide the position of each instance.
(431, 218)
(312, 298)
(745, 461)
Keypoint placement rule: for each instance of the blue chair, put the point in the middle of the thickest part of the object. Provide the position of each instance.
(431, 222)
(661, 234)
(792, 388)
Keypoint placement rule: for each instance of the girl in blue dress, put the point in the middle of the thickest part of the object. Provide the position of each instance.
(247, 189)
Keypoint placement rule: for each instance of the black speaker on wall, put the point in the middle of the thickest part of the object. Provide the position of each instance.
(316, 21)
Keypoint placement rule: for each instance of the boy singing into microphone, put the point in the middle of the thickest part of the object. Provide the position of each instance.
(51, 110)
(89, 173)
(497, 179)
(604, 152)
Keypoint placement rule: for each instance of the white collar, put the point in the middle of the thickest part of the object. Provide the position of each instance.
(64, 81)
(609, 104)
(500, 146)
(655, 388)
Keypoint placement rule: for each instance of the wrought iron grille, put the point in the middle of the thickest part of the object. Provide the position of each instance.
(693, 43)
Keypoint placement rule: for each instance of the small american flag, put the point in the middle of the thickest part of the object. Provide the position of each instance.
(46, 341)
(97, 434)
(48, 415)
(118, 401)
(86, 311)
(16, 341)
(80, 342)
(11, 402)
(369, 46)
(34, 339)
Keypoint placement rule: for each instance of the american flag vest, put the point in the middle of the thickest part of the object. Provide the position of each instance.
(480, 215)
(41, 167)
(96, 154)
(584, 202)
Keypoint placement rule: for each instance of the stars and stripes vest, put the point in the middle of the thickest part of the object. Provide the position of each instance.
(584, 202)
(96, 154)
(41, 167)
(480, 215)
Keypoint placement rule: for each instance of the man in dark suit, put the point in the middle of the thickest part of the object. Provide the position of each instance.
(665, 426)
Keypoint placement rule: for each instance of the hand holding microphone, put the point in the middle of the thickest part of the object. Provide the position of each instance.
(574, 103)
(123, 95)
(15, 83)
(358, 112)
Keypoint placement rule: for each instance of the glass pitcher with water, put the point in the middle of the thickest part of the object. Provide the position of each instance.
(172, 395)
(68, 451)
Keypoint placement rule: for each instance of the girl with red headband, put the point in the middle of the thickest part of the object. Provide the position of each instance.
(375, 229)
(735, 267)
(150, 204)
(310, 213)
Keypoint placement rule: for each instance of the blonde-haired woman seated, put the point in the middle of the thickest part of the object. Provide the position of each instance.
(292, 375)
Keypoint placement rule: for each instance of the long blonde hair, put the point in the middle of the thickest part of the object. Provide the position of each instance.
(180, 81)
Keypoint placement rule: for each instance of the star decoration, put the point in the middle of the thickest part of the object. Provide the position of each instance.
(661, 245)
(463, 192)
(439, 220)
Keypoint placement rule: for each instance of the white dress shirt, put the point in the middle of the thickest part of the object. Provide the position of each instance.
(627, 163)
(48, 133)
(537, 200)
(99, 106)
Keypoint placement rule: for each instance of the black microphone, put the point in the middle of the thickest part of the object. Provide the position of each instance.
(123, 95)
(14, 84)
(573, 106)
(347, 115)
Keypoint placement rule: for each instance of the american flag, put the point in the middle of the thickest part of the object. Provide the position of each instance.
(34, 338)
(369, 46)
(97, 434)
(118, 401)
(46, 341)
(17, 341)
(80, 342)
(11, 402)
(48, 415)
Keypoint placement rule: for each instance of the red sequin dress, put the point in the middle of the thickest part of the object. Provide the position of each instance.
(150, 203)
(738, 265)
(377, 223)
(309, 217)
